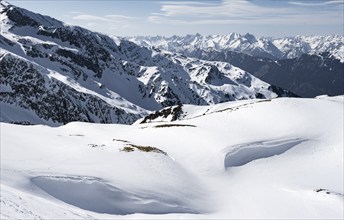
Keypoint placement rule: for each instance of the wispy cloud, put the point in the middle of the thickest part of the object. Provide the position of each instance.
(244, 12)
(120, 17)
(284, 20)
(91, 24)
(74, 12)
(90, 18)
(106, 22)
(106, 18)
(228, 8)
(185, 2)
(316, 3)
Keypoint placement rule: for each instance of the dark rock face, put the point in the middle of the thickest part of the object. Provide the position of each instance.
(94, 55)
(50, 99)
(20, 19)
(174, 111)
(281, 92)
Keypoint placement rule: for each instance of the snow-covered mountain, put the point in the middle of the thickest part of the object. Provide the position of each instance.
(293, 47)
(249, 159)
(307, 66)
(54, 73)
(276, 49)
(247, 44)
(188, 153)
(307, 75)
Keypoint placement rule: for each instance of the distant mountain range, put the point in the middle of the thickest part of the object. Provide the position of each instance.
(266, 47)
(53, 73)
(305, 65)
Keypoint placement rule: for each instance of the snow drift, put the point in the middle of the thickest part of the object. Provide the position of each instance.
(279, 158)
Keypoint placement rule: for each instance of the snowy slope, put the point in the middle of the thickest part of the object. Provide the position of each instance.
(271, 159)
(108, 80)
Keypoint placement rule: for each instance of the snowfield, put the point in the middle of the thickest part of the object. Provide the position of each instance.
(270, 159)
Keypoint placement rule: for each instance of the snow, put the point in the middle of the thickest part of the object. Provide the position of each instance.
(5, 88)
(152, 76)
(124, 104)
(15, 114)
(243, 154)
(96, 195)
(282, 48)
(155, 78)
(270, 159)
(295, 46)
(339, 98)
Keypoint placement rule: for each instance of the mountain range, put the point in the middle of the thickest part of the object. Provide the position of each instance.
(53, 73)
(305, 65)
(137, 130)
(267, 47)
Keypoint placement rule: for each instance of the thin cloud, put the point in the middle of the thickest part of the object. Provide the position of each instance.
(233, 8)
(120, 17)
(283, 20)
(107, 18)
(106, 22)
(75, 12)
(304, 3)
(85, 17)
(187, 3)
(91, 24)
(242, 12)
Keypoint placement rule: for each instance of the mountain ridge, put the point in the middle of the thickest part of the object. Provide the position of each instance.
(265, 47)
(119, 74)
(308, 66)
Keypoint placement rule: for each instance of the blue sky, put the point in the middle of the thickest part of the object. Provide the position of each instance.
(275, 18)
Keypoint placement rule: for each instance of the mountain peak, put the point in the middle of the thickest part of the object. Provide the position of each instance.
(101, 79)
(22, 17)
(265, 47)
(116, 79)
(251, 38)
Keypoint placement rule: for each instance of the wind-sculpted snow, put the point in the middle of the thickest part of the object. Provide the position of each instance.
(96, 195)
(248, 159)
(246, 153)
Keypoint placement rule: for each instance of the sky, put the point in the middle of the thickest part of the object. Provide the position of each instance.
(269, 18)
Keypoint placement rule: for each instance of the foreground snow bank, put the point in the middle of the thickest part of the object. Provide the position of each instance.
(96, 195)
(280, 158)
